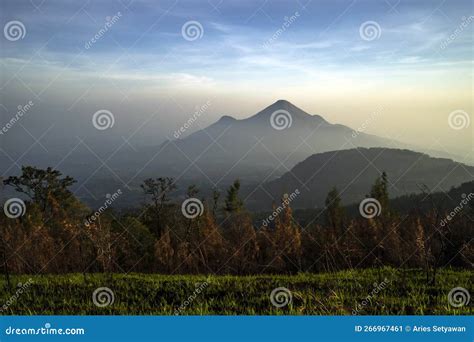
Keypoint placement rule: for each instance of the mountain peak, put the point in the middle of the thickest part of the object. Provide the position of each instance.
(283, 102)
(226, 119)
(284, 105)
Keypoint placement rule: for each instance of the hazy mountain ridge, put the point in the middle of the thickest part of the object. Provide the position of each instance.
(252, 148)
(354, 171)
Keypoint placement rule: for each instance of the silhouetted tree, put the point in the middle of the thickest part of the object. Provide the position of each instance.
(164, 252)
(379, 191)
(158, 190)
(233, 203)
(215, 202)
(44, 187)
(53, 237)
(334, 211)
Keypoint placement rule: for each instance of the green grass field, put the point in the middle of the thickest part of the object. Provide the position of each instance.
(364, 292)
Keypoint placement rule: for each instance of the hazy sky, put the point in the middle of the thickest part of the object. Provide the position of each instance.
(409, 61)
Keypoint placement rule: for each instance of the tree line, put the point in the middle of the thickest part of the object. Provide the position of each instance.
(56, 234)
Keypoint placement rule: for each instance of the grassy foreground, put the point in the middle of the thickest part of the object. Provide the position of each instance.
(364, 292)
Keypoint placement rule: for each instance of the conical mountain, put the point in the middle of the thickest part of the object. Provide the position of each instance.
(262, 146)
(282, 106)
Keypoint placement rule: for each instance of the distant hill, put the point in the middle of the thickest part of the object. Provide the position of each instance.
(444, 201)
(353, 173)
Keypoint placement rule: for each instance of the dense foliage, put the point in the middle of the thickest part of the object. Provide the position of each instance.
(58, 234)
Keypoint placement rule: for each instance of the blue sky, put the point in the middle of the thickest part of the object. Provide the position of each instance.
(324, 36)
(320, 61)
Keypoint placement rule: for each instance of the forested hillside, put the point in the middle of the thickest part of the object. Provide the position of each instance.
(55, 233)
